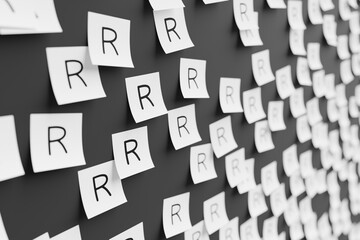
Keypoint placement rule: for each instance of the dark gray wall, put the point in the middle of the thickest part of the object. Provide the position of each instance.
(51, 201)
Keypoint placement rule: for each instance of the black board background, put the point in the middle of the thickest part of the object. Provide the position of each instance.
(51, 202)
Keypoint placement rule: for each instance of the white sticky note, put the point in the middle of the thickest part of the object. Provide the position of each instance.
(313, 56)
(256, 201)
(313, 111)
(17, 14)
(10, 160)
(329, 29)
(193, 78)
(72, 233)
(135, 233)
(294, 14)
(297, 186)
(42, 14)
(326, 5)
(311, 229)
(261, 67)
(197, 232)
(355, 64)
(183, 127)
(222, 137)
(202, 163)
(276, 4)
(211, 2)
(320, 135)
(276, 116)
(354, 22)
(353, 108)
(306, 166)
(251, 37)
(343, 47)
(234, 166)
(290, 160)
(263, 139)
(306, 211)
(270, 229)
(101, 189)
(296, 41)
(249, 230)
(345, 72)
(311, 185)
(303, 131)
(245, 17)
(145, 96)
(131, 152)
(73, 77)
(354, 42)
(215, 215)
(332, 110)
(247, 180)
(344, 10)
(269, 178)
(291, 214)
(176, 215)
(56, 141)
(230, 230)
(166, 4)
(303, 72)
(314, 12)
(171, 30)
(44, 236)
(229, 95)
(3, 234)
(297, 106)
(109, 40)
(341, 99)
(253, 108)
(296, 231)
(319, 84)
(278, 201)
(284, 83)
(330, 86)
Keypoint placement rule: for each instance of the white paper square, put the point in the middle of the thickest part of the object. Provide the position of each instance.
(297, 186)
(176, 215)
(73, 77)
(198, 232)
(100, 188)
(183, 127)
(251, 37)
(171, 30)
(261, 67)
(56, 141)
(247, 181)
(290, 160)
(230, 230)
(276, 4)
(256, 201)
(249, 230)
(313, 56)
(326, 5)
(330, 86)
(109, 40)
(319, 84)
(291, 214)
(202, 163)
(276, 116)
(345, 72)
(131, 152)
(313, 111)
(193, 78)
(306, 166)
(284, 84)
(297, 106)
(44, 236)
(135, 233)
(215, 215)
(296, 41)
(211, 2)
(222, 137)
(314, 12)
(245, 17)
(303, 131)
(10, 160)
(3, 234)
(270, 229)
(234, 166)
(278, 201)
(253, 108)
(303, 72)
(229, 95)
(263, 139)
(145, 96)
(294, 14)
(269, 178)
(342, 47)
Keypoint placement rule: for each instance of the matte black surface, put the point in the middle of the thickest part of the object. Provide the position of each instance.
(51, 202)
